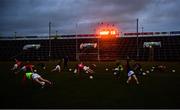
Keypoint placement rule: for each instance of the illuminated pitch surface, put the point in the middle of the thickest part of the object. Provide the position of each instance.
(158, 90)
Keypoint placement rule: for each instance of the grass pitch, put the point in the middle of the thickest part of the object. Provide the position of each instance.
(156, 90)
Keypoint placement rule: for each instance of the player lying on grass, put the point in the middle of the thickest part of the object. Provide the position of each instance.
(83, 68)
(118, 70)
(35, 77)
(32, 75)
(58, 67)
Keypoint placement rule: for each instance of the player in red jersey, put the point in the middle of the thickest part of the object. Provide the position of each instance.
(28, 67)
(83, 68)
(80, 67)
(17, 65)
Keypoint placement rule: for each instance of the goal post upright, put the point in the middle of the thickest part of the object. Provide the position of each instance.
(98, 49)
(77, 59)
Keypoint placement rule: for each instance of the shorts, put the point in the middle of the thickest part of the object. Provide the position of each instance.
(35, 75)
(130, 73)
(28, 75)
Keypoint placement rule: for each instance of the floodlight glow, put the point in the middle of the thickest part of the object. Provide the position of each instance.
(113, 32)
(104, 33)
(107, 31)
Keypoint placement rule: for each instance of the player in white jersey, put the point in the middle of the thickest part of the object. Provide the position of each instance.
(83, 68)
(87, 69)
(58, 67)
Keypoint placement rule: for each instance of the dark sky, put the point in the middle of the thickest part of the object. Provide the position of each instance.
(31, 17)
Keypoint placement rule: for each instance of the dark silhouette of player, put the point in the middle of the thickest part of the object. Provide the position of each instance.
(127, 64)
(65, 60)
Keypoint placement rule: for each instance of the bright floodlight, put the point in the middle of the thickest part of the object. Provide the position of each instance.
(107, 31)
(104, 33)
(113, 32)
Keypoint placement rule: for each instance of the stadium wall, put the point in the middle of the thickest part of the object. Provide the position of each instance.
(112, 49)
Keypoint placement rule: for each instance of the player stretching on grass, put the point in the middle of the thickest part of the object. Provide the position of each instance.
(81, 67)
(26, 68)
(58, 67)
(37, 78)
(130, 73)
(17, 65)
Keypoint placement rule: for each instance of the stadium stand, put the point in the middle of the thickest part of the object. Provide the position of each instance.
(112, 49)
